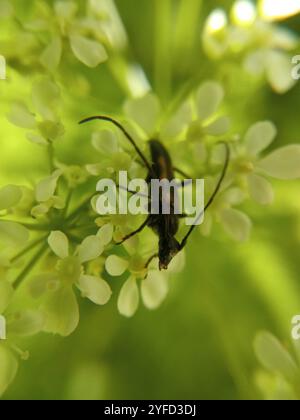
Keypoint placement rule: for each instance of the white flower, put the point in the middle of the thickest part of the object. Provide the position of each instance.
(153, 283)
(62, 24)
(46, 197)
(60, 306)
(112, 157)
(283, 163)
(48, 128)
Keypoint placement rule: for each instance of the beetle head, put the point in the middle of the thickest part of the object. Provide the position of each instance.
(168, 249)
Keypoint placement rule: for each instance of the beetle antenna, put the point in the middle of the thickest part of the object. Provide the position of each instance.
(213, 196)
(126, 134)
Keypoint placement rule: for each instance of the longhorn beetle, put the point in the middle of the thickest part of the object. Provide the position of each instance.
(164, 225)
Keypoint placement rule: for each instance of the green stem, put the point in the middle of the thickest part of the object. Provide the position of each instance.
(68, 201)
(30, 265)
(28, 249)
(163, 54)
(31, 226)
(71, 217)
(187, 32)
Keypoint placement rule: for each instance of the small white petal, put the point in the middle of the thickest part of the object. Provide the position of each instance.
(90, 249)
(219, 127)
(175, 126)
(21, 116)
(259, 137)
(260, 189)
(145, 112)
(26, 323)
(234, 196)
(105, 141)
(283, 163)
(116, 266)
(45, 97)
(61, 312)
(154, 289)
(45, 189)
(90, 53)
(106, 233)
(8, 368)
(51, 56)
(273, 356)
(37, 139)
(278, 66)
(254, 63)
(209, 97)
(128, 301)
(236, 224)
(59, 244)
(95, 289)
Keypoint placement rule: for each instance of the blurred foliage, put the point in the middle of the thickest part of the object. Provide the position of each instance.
(199, 343)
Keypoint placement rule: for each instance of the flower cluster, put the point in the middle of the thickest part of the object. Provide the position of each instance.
(53, 242)
(263, 48)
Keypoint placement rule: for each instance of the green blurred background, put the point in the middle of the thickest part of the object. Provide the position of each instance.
(199, 344)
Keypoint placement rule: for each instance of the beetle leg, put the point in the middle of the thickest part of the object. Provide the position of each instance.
(140, 229)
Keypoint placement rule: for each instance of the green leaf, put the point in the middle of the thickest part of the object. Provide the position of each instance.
(61, 312)
(90, 53)
(274, 357)
(8, 368)
(10, 196)
(283, 163)
(95, 289)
